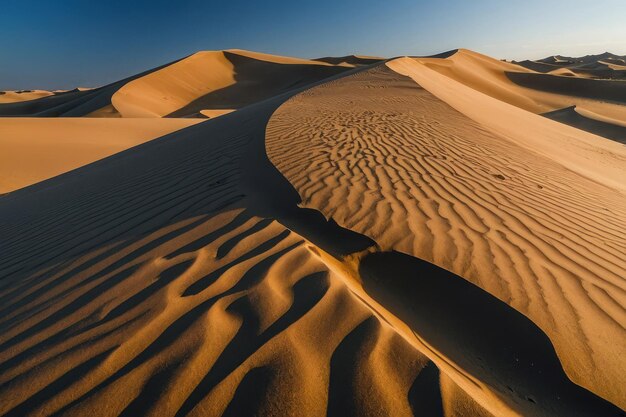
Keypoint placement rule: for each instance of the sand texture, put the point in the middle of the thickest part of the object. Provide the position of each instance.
(343, 236)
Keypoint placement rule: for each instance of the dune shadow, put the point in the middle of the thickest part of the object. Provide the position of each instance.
(571, 117)
(482, 335)
(250, 393)
(608, 90)
(72, 103)
(307, 292)
(257, 80)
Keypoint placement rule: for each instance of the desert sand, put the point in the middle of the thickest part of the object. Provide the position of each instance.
(35, 149)
(343, 236)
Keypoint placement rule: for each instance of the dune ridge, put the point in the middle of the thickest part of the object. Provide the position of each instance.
(215, 80)
(359, 242)
(389, 160)
(161, 289)
(73, 128)
(532, 91)
(604, 65)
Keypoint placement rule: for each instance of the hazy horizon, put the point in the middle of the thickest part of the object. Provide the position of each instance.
(69, 43)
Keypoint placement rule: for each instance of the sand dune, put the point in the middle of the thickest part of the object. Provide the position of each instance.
(22, 95)
(177, 299)
(204, 85)
(401, 238)
(353, 60)
(216, 80)
(605, 65)
(537, 93)
(591, 122)
(209, 81)
(389, 160)
(73, 103)
(35, 149)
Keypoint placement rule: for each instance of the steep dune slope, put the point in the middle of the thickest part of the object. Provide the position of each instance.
(197, 274)
(216, 80)
(382, 156)
(204, 85)
(209, 81)
(537, 93)
(154, 283)
(591, 122)
(94, 102)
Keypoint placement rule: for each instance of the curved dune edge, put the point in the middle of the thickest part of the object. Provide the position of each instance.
(578, 151)
(216, 80)
(18, 96)
(158, 282)
(383, 157)
(591, 122)
(492, 77)
(178, 277)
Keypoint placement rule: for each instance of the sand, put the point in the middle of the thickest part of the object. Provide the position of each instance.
(603, 66)
(384, 239)
(216, 80)
(536, 92)
(35, 149)
(204, 85)
(22, 95)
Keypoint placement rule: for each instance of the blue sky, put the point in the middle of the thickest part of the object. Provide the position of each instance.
(54, 44)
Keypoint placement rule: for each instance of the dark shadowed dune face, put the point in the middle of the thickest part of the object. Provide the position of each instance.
(604, 90)
(571, 117)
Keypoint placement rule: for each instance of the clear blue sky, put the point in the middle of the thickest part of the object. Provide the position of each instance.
(65, 43)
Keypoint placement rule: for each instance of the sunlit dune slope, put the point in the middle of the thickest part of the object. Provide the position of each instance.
(35, 149)
(216, 80)
(159, 282)
(380, 240)
(528, 209)
(209, 81)
(204, 85)
(79, 102)
(537, 93)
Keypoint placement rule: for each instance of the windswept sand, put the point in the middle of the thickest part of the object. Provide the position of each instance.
(216, 80)
(35, 149)
(528, 209)
(535, 92)
(395, 239)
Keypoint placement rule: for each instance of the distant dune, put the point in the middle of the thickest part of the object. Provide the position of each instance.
(22, 95)
(535, 92)
(237, 234)
(355, 60)
(216, 80)
(605, 65)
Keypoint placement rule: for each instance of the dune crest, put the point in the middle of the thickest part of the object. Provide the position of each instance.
(538, 93)
(216, 80)
(391, 160)
(339, 238)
